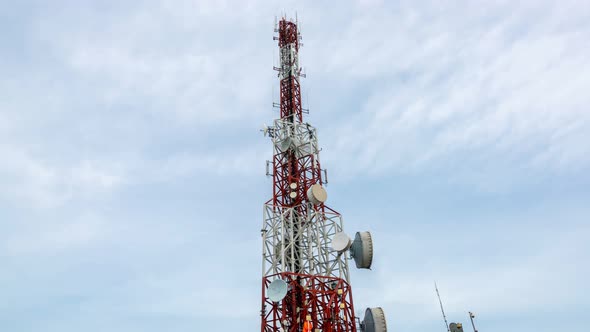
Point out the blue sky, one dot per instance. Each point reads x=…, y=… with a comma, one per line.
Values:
x=133, y=167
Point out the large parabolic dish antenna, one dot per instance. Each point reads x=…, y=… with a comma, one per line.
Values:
x=341, y=242
x=362, y=250
x=374, y=320
x=277, y=290
x=316, y=194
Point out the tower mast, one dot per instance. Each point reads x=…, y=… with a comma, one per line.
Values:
x=305, y=281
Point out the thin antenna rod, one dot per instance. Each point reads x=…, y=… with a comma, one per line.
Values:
x=471, y=316
x=441, y=308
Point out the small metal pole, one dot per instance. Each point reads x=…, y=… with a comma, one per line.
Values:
x=441, y=308
x=471, y=316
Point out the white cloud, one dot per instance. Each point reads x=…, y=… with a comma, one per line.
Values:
x=47, y=237
x=492, y=86
x=174, y=60
x=247, y=161
x=31, y=180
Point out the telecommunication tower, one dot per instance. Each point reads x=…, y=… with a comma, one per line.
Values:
x=305, y=252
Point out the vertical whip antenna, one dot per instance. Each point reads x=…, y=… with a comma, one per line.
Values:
x=441, y=308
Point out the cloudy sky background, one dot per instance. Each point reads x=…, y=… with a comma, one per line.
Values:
x=132, y=166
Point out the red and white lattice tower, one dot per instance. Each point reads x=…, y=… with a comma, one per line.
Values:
x=305, y=276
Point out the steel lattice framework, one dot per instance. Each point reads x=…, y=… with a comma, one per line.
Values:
x=296, y=233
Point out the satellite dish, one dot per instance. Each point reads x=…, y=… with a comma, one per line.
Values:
x=341, y=242
x=362, y=250
x=374, y=320
x=316, y=194
x=277, y=290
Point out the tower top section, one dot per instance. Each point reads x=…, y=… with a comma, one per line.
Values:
x=289, y=70
x=288, y=33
